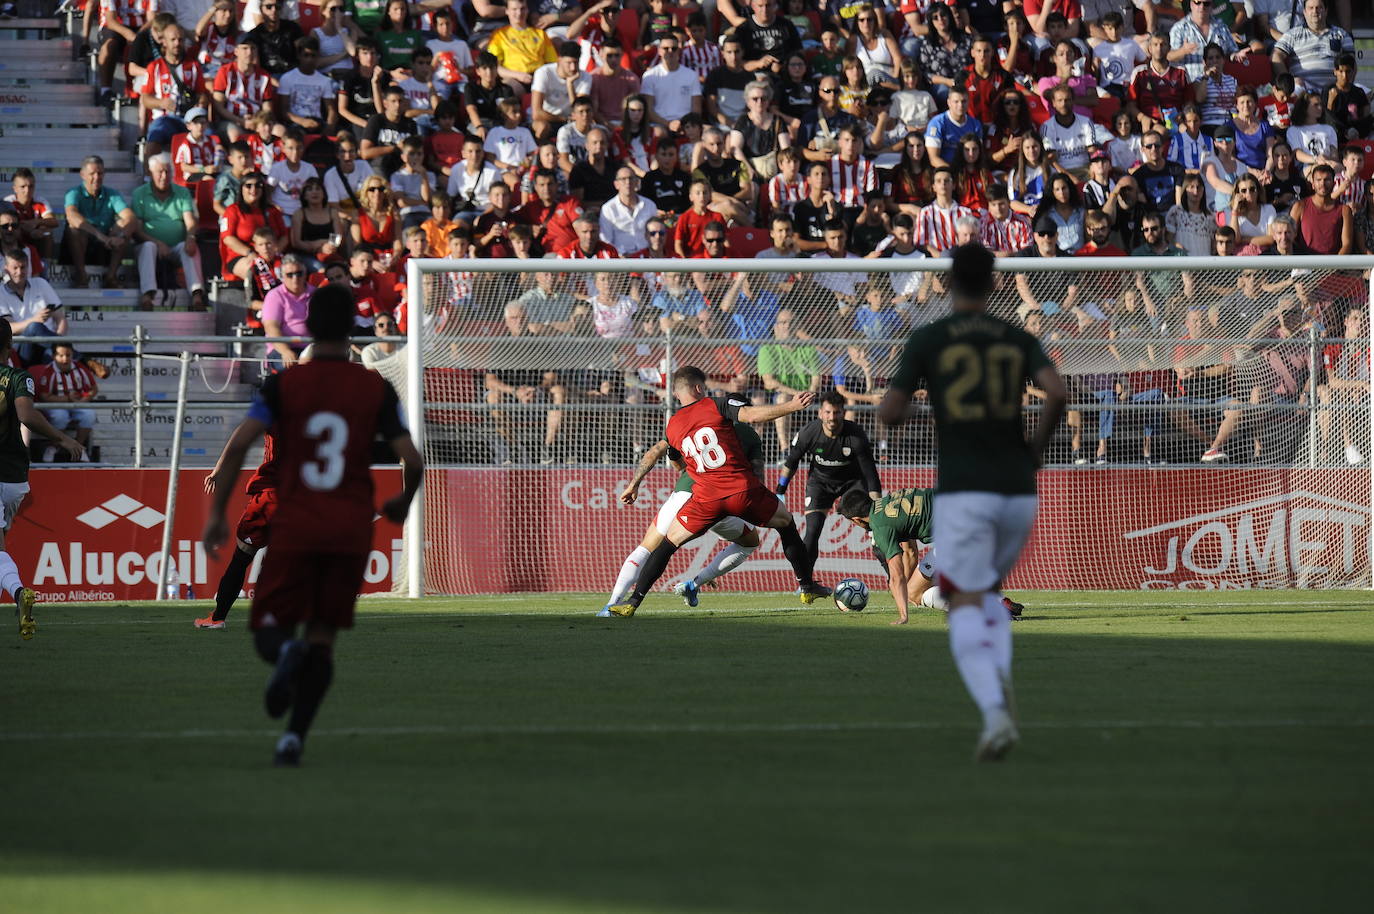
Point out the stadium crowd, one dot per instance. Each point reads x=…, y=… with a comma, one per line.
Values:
x=334, y=140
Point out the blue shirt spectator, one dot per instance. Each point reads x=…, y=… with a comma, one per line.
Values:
x=944, y=131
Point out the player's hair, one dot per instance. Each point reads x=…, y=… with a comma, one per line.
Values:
x=330, y=318
x=6, y=337
x=856, y=503
x=686, y=376
x=834, y=398
x=971, y=274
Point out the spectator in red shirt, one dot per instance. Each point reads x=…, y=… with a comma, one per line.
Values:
x=692, y=224
x=986, y=81
x=236, y=227
x=1158, y=85
x=549, y=217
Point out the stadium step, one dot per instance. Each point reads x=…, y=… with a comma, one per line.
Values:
x=67, y=156
x=63, y=136
x=53, y=186
x=42, y=69
x=47, y=49
x=209, y=380
x=56, y=94
x=57, y=115
x=203, y=435
x=113, y=313
x=15, y=29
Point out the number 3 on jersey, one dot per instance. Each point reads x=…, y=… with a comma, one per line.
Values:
x=703, y=447
x=325, y=472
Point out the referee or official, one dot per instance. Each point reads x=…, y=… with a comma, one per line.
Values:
x=840, y=458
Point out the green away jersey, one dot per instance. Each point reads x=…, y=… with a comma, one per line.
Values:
x=975, y=367
x=14, y=455
x=753, y=451
x=901, y=517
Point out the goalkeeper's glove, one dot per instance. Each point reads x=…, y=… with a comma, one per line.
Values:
x=782, y=484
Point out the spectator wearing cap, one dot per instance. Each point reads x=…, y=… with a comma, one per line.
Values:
x=275, y=39
x=1190, y=36
x=165, y=225
x=201, y=156
x=1048, y=293
x=553, y=89
x=1309, y=50
x=520, y=48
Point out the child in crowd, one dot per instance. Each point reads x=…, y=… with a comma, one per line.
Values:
x=287, y=176
x=202, y=156
x=412, y=184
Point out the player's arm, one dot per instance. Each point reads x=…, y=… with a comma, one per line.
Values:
x=896, y=582
x=394, y=432
x=230, y=462
x=650, y=460
x=1056, y=396
x=752, y=414
x=868, y=467
x=893, y=408
x=35, y=421
x=801, y=443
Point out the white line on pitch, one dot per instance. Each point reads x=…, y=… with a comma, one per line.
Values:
x=649, y=729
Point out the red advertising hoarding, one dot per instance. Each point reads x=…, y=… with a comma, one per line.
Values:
x=1196, y=528
x=89, y=534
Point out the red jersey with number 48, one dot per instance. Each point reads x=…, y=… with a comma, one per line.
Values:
x=324, y=416
x=703, y=436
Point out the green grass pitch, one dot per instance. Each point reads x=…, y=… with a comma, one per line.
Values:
x=1181, y=752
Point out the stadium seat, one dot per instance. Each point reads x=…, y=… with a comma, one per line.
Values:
x=207, y=219
x=746, y=241
x=1368, y=146
x=1255, y=70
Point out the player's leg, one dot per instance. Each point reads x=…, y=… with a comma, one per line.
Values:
x=230, y=586
x=629, y=570
x=11, y=497
x=819, y=500
x=312, y=682
x=743, y=542
x=795, y=549
x=966, y=533
x=659, y=557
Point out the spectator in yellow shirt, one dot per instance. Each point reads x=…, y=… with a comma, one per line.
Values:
x=520, y=48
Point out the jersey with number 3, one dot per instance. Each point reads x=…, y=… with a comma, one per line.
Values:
x=976, y=367
x=703, y=436
x=324, y=416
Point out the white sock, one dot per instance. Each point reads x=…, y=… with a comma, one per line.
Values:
x=931, y=597
x=629, y=573
x=725, y=561
x=998, y=621
x=975, y=656
x=9, y=575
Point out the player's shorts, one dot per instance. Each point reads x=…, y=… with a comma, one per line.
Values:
x=821, y=495
x=296, y=587
x=11, y=497
x=730, y=528
x=980, y=536
x=257, y=514
x=755, y=505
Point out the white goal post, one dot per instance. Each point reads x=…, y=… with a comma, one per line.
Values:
x=527, y=437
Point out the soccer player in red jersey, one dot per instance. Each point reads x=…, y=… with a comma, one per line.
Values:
x=324, y=416
x=250, y=535
x=702, y=435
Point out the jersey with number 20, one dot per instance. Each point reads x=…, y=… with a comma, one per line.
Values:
x=324, y=416
x=703, y=434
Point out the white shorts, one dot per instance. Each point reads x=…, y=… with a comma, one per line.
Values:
x=731, y=528
x=11, y=496
x=980, y=536
x=927, y=564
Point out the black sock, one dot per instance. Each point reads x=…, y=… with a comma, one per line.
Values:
x=815, y=523
x=652, y=570
x=231, y=583
x=796, y=552
x=268, y=642
x=317, y=671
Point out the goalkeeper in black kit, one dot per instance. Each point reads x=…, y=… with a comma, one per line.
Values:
x=840, y=459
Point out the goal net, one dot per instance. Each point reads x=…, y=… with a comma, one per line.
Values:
x=535, y=387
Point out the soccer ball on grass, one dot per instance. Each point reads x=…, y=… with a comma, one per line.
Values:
x=851, y=595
